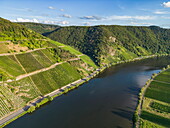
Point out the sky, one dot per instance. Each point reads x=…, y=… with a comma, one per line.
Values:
x=88, y=12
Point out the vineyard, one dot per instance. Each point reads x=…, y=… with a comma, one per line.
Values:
x=156, y=104
x=17, y=93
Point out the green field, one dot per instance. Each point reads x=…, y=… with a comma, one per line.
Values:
x=25, y=88
x=13, y=70
x=29, y=62
x=88, y=61
x=156, y=104
x=9, y=101
x=53, y=79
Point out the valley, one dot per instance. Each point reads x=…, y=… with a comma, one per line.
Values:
x=36, y=68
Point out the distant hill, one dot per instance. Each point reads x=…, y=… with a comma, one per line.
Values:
x=40, y=28
x=105, y=44
x=108, y=43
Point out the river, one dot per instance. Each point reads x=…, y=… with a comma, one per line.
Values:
x=107, y=101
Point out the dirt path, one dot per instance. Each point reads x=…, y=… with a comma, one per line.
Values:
x=38, y=71
x=8, y=54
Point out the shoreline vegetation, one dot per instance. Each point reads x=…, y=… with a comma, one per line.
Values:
x=137, y=122
x=49, y=97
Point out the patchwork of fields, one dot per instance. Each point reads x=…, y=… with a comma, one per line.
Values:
x=156, y=103
x=69, y=67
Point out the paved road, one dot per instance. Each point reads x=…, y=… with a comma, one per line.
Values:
x=11, y=116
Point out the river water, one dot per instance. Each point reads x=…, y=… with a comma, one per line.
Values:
x=107, y=101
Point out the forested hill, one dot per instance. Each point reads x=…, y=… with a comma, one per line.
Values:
x=40, y=28
x=13, y=31
x=106, y=43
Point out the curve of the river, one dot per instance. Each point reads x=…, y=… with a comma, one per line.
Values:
x=107, y=101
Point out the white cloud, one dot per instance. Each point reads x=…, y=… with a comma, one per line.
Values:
x=166, y=4
x=115, y=17
x=62, y=10
x=25, y=20
x=136, y=23
x=63, y=22
x=161, y=12
x=165, y=17
x=87, y=23
x=55, y=22
x=66, y=16
x=49, y=22
x=52, y=8
x=91, y=18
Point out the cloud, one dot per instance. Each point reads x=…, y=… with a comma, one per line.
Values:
x=86, y=23
x=165, y=17
x=115, y=17
x=25, y=20
x=136, y=23
x=166, y=4
x=161, y=12
x=49, y=22
x=66, y=16
x=52, y=8
x=55, y=22
x=63, y=22
x=62, y=10
x=91, y=18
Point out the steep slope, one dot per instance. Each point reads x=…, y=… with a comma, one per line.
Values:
x=32, y=66
x=40, y=28
x=106, y=44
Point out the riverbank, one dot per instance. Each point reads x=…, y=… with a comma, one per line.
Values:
x=70, y=87
x=141, y=98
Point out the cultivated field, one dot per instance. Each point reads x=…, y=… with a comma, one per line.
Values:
x=156, y=103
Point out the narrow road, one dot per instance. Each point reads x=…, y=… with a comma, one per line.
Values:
x=8, y=54
x=11, y=116
x=37, y=71
x=5, y=41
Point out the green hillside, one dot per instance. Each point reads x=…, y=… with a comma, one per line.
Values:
x=32, y=66
x=106, y=44
x=40, y=28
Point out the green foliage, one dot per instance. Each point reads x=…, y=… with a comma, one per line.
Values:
x=9, y=66
x=99, y=42
x=160, y=107
x=155, y=119
x=163, y=77
x=53, y=79
x=61, y=54
x=40, y=28
x=28, y=61
x=148, y=124
x=25, y=88
x=88, y=61
x=31, y=109
x=159, y=91
x=13, y=31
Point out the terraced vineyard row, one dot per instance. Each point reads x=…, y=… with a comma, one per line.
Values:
x=27, y=89
x=156, y=104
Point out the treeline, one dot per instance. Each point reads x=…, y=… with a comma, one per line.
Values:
x=13, y=31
